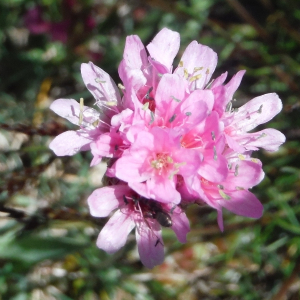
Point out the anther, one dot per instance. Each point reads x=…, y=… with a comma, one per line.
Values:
x=213, y=135
x=81, y=111
x=215, y=153
x=236, y=171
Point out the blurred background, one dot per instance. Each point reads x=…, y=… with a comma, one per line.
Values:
x=47, y=238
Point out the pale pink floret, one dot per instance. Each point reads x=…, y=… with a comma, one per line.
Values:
x=103, y=88
x=151, y=164
x=238, y=122
x=129, y=215
x=255, y=112
x=173, y=138
x=232, y=193
x=92, y=123
x=71, y=142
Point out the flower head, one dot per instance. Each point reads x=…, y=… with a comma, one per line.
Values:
x=173, y=140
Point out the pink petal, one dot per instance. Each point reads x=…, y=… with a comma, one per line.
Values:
x=224, y=93
x=130, y=168
x=134, y=166
x=219, y=80
x=132, y=79
x=96, y=160
x=163, y=189
x=190, y=160
x=100, y=84
x=135, y=55
x=246, y=175
x=114, y=234
x=213, y=167
x=199, y=56
x=258, y=111
x=269, y=139
x=104, y=200
x=70, y=142
x=196, y=107
x=107, y=145
x=150, y=244
x=243, y=203
x=233, y=144
x=67, y=108
x=181, y=225
x=170, y=92
x=125, y=116
x=233, y=84
x=212, y=131
x=164, y=47
x=160, y=68
x=187, y=195
x=165, y=140
x=140, y=188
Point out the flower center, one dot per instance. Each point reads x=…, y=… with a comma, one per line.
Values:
x=162, y=162
x=191, y=141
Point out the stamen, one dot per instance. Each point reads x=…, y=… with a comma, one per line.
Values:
x=213, y=135
x=170, y=160
x=188, y=113
x=152, y=117
x=262, y=135
x=215, y=153
x=260, y=109
x=224, y=196
x=148, y=94
x=121, y=86
x=228, y=107
x=220, y=186
x=145, y=106
x=172, y=118
x=172, y=174
x=209, y=84
x=98, y=80
x=196, y=77
x=96, y=123
x=111, y=103
x=236, y=171
x=255, y=160
x=239, y=188
x=172, y=209
x=180, y=64
x=186, y=74
x=197, y=69
x=81, y=111
x=177, y=100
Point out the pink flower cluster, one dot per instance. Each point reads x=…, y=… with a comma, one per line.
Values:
x=173, y=139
